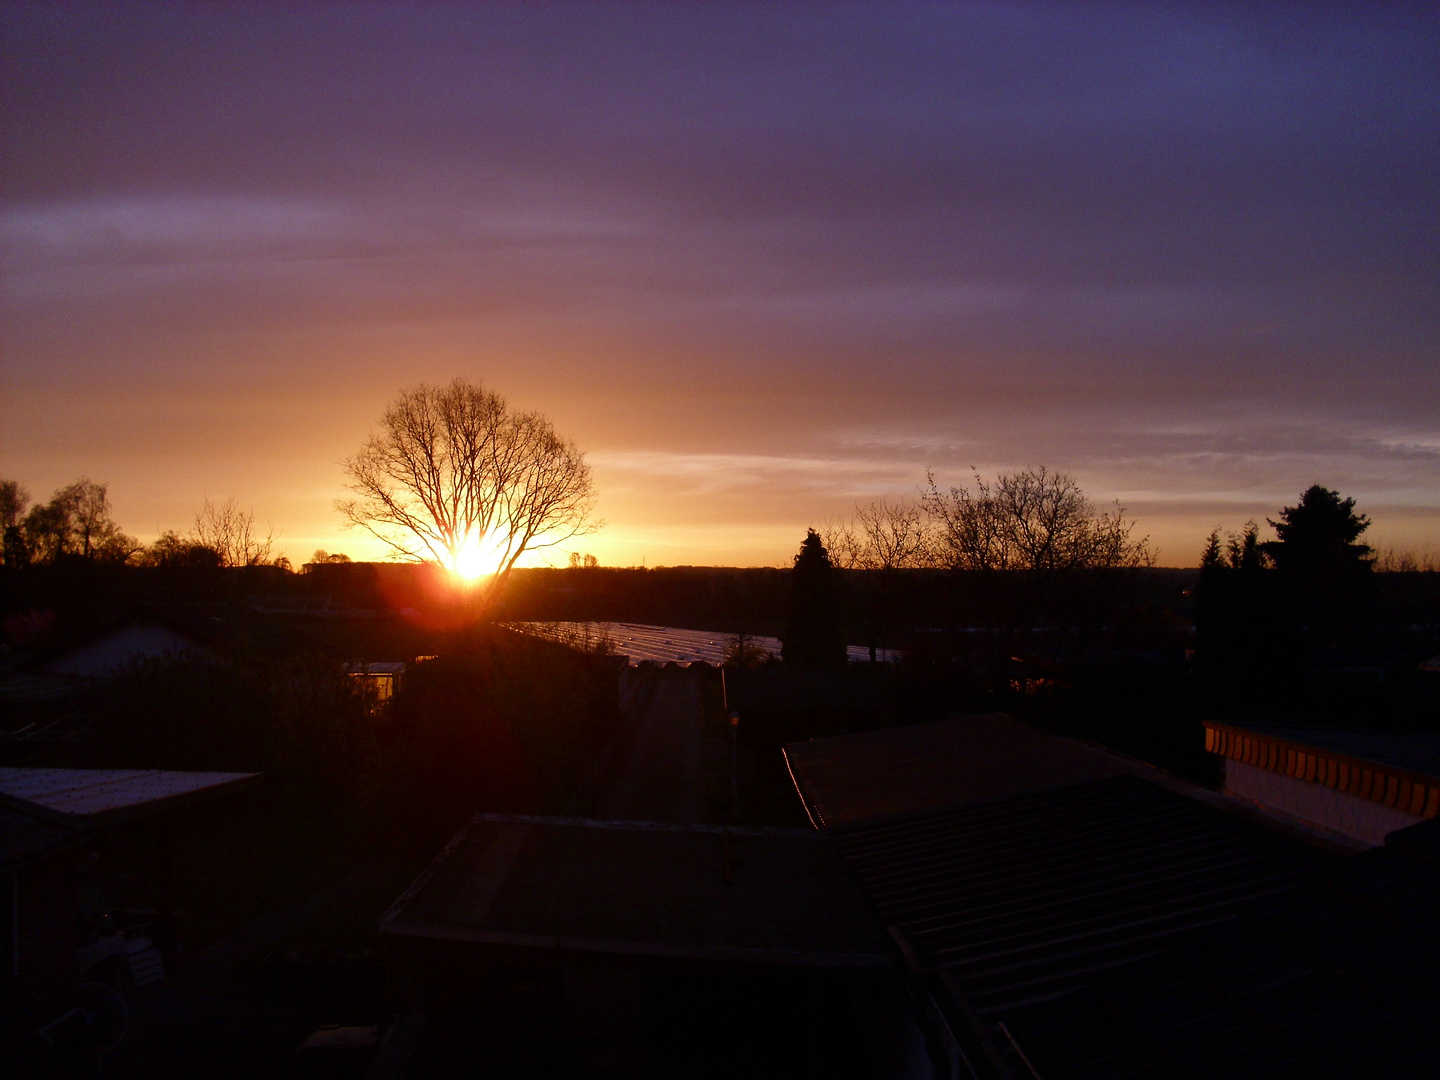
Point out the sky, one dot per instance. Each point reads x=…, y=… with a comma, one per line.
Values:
x=760, y=261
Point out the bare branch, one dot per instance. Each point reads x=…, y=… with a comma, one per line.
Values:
x=230, y=533
x=454, y=468
x=1032, y=520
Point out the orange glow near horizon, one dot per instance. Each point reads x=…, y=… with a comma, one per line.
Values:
x=477, y=556
x=751, y=300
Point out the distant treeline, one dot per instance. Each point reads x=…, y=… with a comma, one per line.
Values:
x=879, y=607
x=754, y=600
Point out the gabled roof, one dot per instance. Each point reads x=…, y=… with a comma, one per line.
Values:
x=230, y=627
x=112, y=649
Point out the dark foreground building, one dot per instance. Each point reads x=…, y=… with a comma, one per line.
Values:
x=977, y=900
x=1064, y=912
x=577, y=947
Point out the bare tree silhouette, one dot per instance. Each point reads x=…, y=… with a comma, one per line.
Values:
x=230, y=533
x=883, y=535
x=456, y=476
x=1032, y=520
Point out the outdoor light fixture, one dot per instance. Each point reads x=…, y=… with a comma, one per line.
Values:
x=734, y=718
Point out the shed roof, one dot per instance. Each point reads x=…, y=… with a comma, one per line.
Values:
x=28, y=831
x=922, y=767
x=1337, y=980
x=107, y=796
x=1022, y=898
x=647, y=892
x=666, y=644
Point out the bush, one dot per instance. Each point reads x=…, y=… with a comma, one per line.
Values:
x=504, y=722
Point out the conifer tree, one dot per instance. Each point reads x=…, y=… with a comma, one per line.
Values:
x=813, y=634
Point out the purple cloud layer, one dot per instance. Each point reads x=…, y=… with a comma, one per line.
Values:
x=760, y=260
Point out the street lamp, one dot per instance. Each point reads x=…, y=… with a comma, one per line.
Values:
x=734, y=717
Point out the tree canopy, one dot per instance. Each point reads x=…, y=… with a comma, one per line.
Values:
x=457, y=476
x=883, y=535
x=1271, y=609
x=75, y=523
x=1031, y=520
x=813, y=635
x=1321, y=530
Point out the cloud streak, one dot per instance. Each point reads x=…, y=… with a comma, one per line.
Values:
x=762, y=260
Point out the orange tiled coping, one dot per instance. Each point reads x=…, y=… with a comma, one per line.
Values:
x=1389, y=785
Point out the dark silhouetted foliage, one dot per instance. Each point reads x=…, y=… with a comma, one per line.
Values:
x=1235, y=615
x=814, y=635
x=1323, y=573
x=74, y=524
x=501, y=722
x=1319, y=534
x=1303, y=629
x=175, y=552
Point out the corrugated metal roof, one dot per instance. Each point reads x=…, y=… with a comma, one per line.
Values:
x=1337, y=979
x=667, y=644
x=1118, y=927
x=642, y=890
x=923, y=767
x=109, y=795
x=1023, y=898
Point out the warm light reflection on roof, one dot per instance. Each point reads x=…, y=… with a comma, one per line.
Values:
x=667, y=644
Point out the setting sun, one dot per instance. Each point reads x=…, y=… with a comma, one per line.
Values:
x=478, y=556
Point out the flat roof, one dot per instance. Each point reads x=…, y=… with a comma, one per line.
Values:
x=111, y=795
x=511, y=885
x=899, y=771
